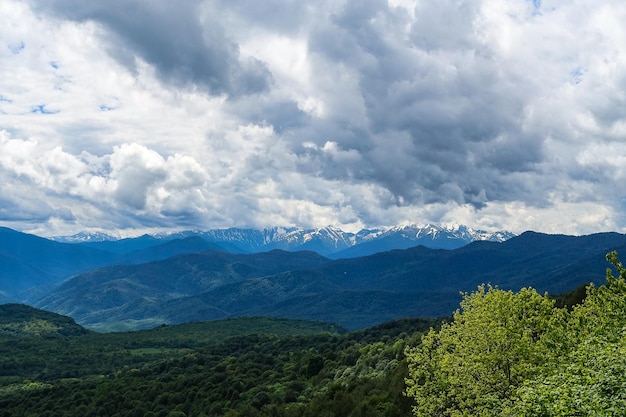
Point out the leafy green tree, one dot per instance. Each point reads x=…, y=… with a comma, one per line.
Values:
x=590, y=380
x=603, y=314
x=509, y=354
x=473, y=365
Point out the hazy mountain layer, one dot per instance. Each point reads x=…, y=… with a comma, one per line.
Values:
x=327, y=241
x=354, y=293
x=29, y=264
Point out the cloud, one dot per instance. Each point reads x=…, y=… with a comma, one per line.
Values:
x=441, y=109
x=455, y=106
x=503, y=114
x=134, y=170
x=132, y=180
x=185, y=44
x=30, y=210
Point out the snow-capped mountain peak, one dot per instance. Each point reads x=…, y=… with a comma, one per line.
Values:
x=83, y=237
x=330, y=240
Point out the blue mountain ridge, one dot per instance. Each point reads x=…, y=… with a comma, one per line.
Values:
x=328, y=241
x=354, y=292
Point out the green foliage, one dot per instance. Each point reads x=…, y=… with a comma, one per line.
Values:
x=590, y=381
x=590, y=378
x=91, y=354
x=19, y=320
x=239, y=367
x=516, y=354
x=474, y=364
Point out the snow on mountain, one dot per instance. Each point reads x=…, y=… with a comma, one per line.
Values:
x=83, y=237
x=323, y=240
x=328, y=240
x=434, y=236
x=452, y=231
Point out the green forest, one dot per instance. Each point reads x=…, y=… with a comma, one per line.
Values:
x=235, y=367
x=503, y=353
x=517, y=354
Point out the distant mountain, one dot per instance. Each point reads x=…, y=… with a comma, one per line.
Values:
x=431, y=236
x=123, y=246
x=133, y=292
x=168, y=249
x=327, y=241
x=85, y=237
x=335, y=243
x=31, y=264
x=323, y=241
x=353, y=292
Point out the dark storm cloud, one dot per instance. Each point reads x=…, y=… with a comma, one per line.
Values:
x=366, y=112
x=283, y=115
x=276, y=15
x=15, y=208
x=186, y=44
x=443, y=115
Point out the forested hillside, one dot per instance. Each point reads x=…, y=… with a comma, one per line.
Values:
x=19, y=320
x=355, y=293
x=238, y=367
x=30, y=265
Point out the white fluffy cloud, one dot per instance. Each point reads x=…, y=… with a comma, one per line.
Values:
x=135, y=115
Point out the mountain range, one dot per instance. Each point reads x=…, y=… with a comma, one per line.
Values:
x=352, y=292
x=143, y=282
x=328, y=241
x=30, y=266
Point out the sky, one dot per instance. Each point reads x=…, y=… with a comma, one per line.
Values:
x=130, y=116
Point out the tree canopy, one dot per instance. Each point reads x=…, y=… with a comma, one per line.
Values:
x=512, y=354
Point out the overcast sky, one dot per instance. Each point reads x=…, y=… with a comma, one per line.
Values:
x=141, y=115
